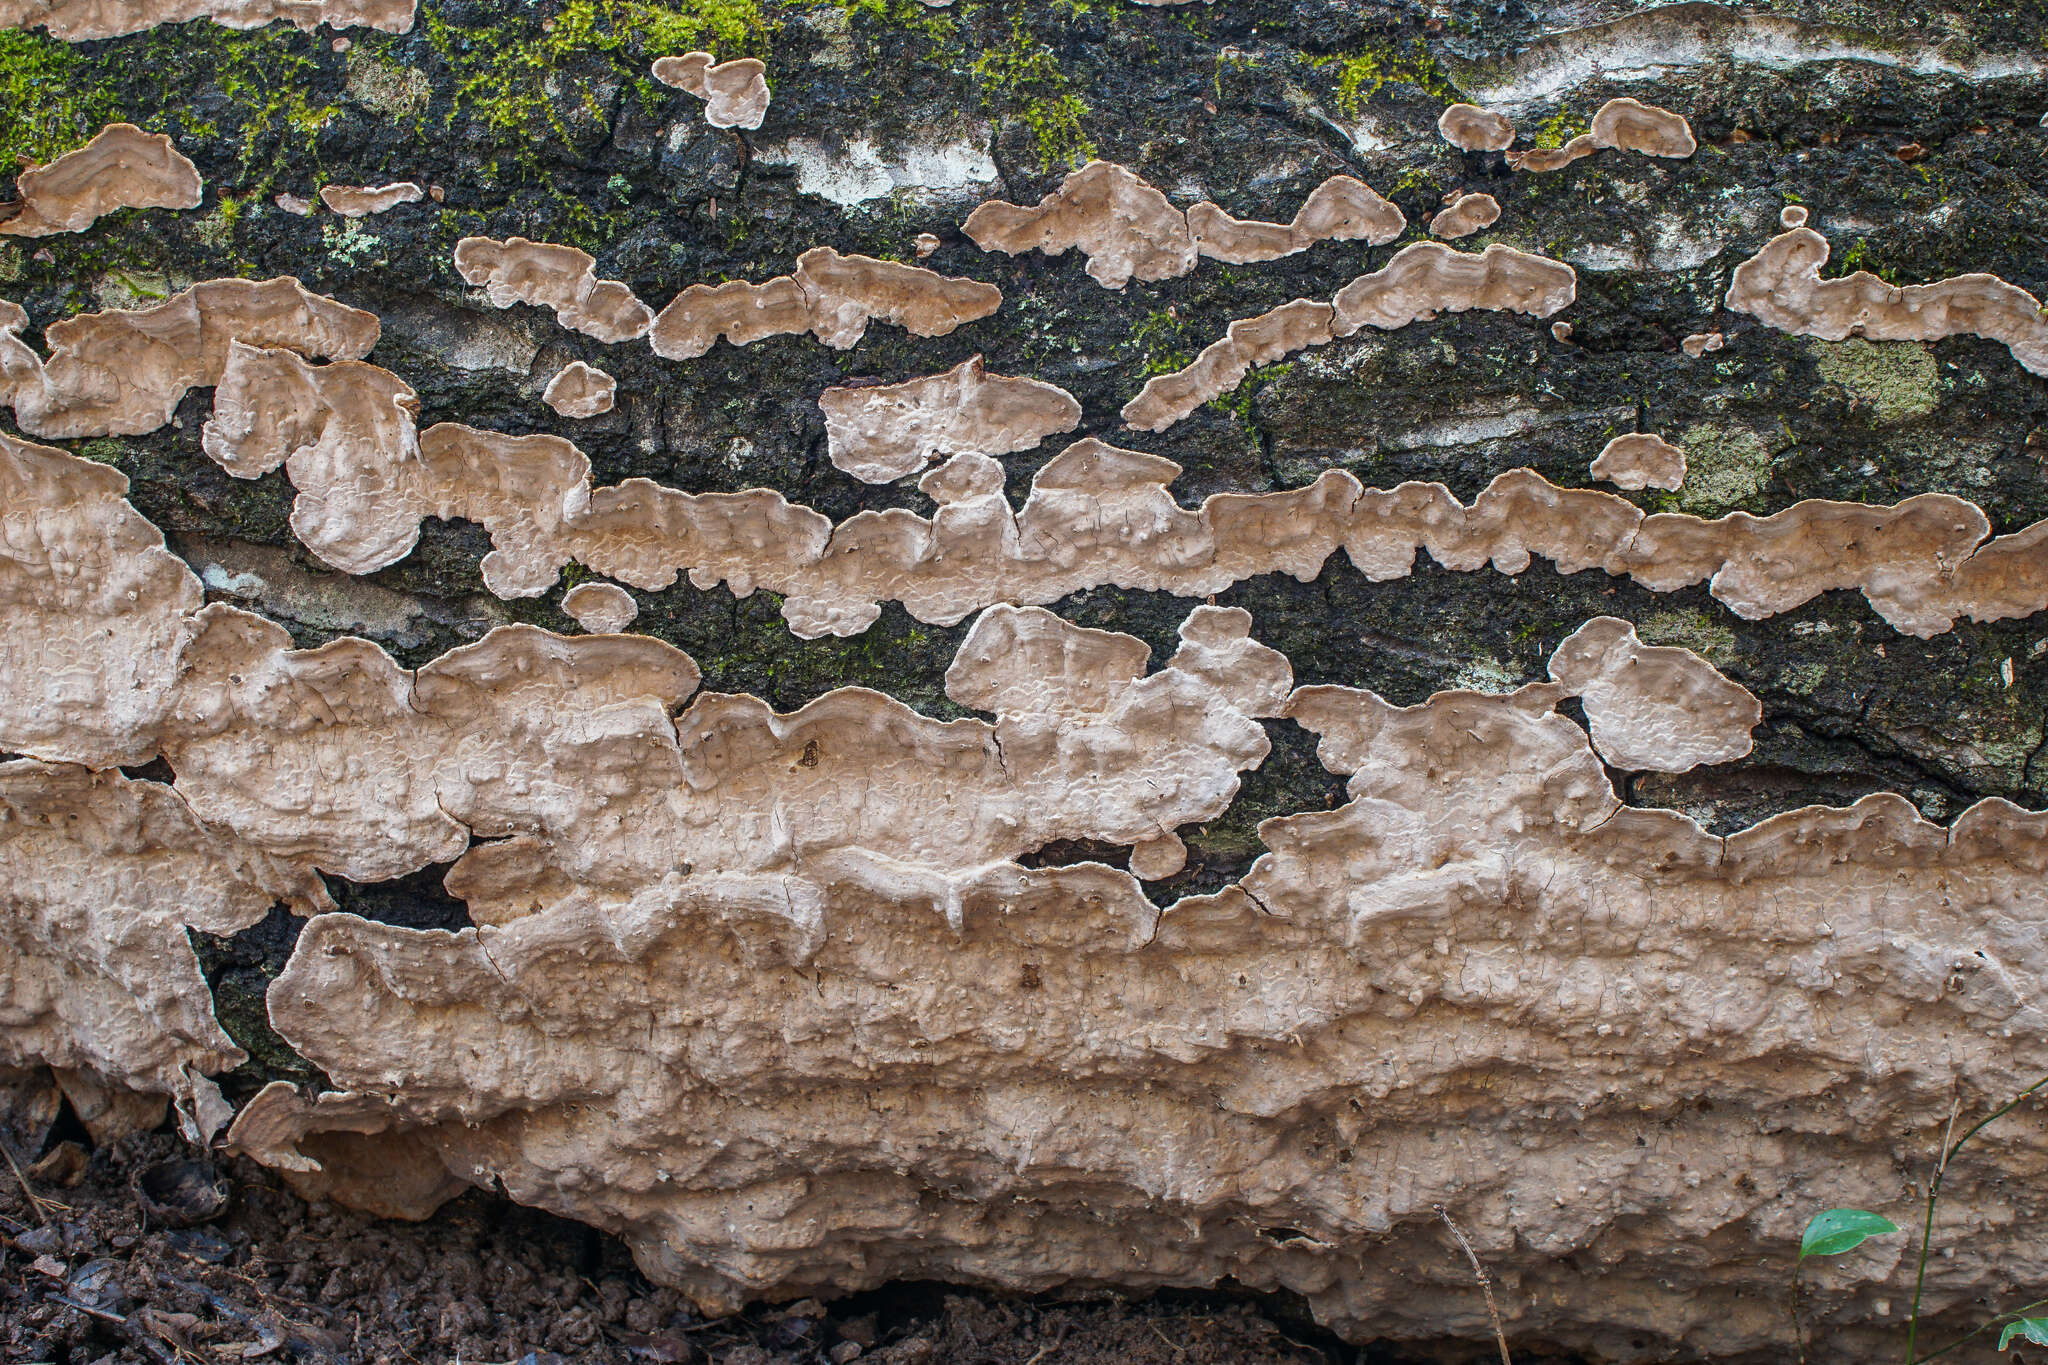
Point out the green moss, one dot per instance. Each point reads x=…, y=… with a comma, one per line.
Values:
x=48, y=106
x=10, y=263
x=1897, y=379
x=1724, y=468
x=1701, y=632
x=1362, y=75
x=1557, y=130
x=104, y=449
x=1858, y=256
x=1023, y=79
x=267, y=76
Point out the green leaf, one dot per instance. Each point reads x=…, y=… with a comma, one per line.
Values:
x=1834, y=1231
x=2032, y=1329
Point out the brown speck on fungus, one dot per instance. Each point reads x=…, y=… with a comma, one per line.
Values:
x=883, y=432
x=122, y=168
x=735, y=93
x=580, y=390
x=1475, y=129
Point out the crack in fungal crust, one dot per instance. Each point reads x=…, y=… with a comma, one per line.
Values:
x=121, y=168
x=884, y=431
x=1127, y=229
x=735, y=93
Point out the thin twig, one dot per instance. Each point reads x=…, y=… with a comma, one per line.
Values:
x=37, y=1204
x=1485, y=1282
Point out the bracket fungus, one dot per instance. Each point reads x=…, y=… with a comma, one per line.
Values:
x=122, y=168
x=1341, y=209
x=1465, y=215
x=1640, y=460
x=735, y=93
x=77, y=21
x=1623, y=124
x=1781, y=286
x=360, y=201
x=1125, y=227
x=1652, y=707
x=122, y=373
x=1473, y=129
x=883, y=432
x=831, y=296
x=580, y=390
x=601, y=608
x=1245, y=345
x=560, y=278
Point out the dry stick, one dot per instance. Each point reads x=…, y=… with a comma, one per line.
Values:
x=1485, y=1283
x=37, y=1204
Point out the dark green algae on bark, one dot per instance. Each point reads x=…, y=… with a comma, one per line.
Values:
x=1923, y=158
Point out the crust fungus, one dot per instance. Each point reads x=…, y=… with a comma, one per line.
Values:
x=884, y=432
x=834, y=297
x=1792, y=216
x=122, y=168
x=77, y=21
x=1473, y=129
x=735, y=93
x=122, y=373
x=1624, y=124
x=580, y=390
x=560, y=278
x=1341, y=209
x=1640, y=460
x=1125, y=227
x=359, y=201
x=1245, y=345
x=1465, y=215
x=601, y=608
x=1429, y=278
x=1781, y=285
x=1699, y=343
x=1653, y=707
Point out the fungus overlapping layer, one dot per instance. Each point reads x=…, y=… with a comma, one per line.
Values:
x=1127, y=229
x=121, y=168
x=883, y=432
x=735, y=93
x=831, y=296
x=123, y=372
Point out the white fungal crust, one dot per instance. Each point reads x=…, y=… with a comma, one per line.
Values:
x=831, y=296
x=1341, y=209
x=77, y=21
x=580, y=390
x=560, y=278
x=601, y=608
x=1420, y=281
x=1624, y=124
x=1652, y=707
x=1481, y=907
x=1245, y=345
x=1474, y=129
x=1640, y=460
x=360, y=201
x=1127, y=229
x=100, y=877
x=884, y=432
x=735, y=93
x=1781, y=286
x=122, y=168
x=1465, y=215
x=122, y=373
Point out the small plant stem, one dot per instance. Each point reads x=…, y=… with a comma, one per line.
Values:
x=1798, y=1331
x=2008, y=1313
x=1485, y=1282
x=1948, y=1154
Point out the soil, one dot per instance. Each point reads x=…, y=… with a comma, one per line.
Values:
x=93, y=1275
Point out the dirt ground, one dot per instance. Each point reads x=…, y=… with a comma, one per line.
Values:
x=92, y=1275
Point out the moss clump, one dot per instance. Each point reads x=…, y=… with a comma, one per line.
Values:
x=1362, y=75
x=1024, y=79
x=1896, y=379
x=386, y=87
x=47, y=108
x=1710, y=638
x=1724, y=468
x=1557, y=130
